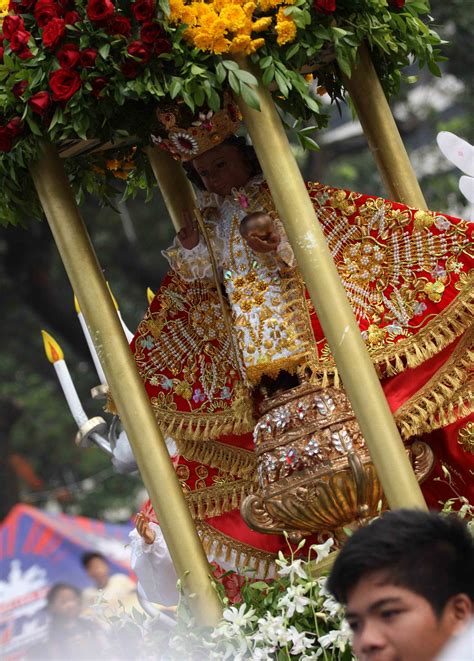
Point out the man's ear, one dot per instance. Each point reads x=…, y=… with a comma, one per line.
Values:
x=460, y=610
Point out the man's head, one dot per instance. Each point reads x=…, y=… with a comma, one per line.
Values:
x=407, y=581
x=64, y=601
x=97, y=567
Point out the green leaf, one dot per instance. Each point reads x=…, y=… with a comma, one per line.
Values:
x=230, y=65
x=175, y=87
x=104, y=51
x=265, y=61
x=234, y=82
x=221, y=73
x=250, y=97
x=34, y=128
x=282, y=83
x=344, y=65
x=246, y=77
x=268, y=75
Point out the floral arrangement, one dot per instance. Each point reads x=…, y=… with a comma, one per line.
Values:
x=99, y=69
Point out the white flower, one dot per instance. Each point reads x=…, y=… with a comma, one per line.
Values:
x=336, y=638
x=323, y=550
x=300, y=642
x=272, y=630
x=263, y=653
x=239, y=618
x=292, y=569
x=294, y=600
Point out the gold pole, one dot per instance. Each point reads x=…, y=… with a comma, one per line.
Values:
x=329, y=298
x=126, y=386
x=382, y=133
x=175, y=187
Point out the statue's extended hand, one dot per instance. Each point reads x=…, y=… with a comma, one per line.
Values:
x=267, y=242
x=143, y=528
x=188, y=235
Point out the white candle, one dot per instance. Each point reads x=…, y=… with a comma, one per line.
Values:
x=90, y=344
x=55, y=355
x=70, y=393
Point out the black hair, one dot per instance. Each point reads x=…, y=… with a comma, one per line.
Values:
x=235, y=141
x=90, y=555
x=425, y=552
x=56, y=588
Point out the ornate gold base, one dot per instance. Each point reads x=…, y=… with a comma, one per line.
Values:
x=315, y=472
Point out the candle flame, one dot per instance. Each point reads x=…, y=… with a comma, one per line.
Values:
x=76, y=305
x=113, y=297
x=52, y=348
x=150, y=295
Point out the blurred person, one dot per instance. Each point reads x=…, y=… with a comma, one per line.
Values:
x=70, y=636
x=113, y=590
x=407, y=581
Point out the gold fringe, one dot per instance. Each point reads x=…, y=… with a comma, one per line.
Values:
x=233, y=460
x=215, y=500
x=446, y=397
x=273, y=368
x=246, y=557
x=441, y=331
x=195, y=426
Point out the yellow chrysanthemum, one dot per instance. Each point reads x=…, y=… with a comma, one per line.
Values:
x=240, y=43
x=265, y=5
x=262, y=24
x=254, y=45
x=234, y=17
x=249, y=8
x=286, y=31
x=220, y=45
x=176, y=10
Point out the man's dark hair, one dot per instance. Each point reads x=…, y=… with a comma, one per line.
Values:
x=235, y=141
x=427, y=553
x=58, y=587
x=90, y=555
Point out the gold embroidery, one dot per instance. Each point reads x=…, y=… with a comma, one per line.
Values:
x=466, y=437
x=208, y=501
x=233, y=460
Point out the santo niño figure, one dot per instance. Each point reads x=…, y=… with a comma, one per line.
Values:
x=207, y=368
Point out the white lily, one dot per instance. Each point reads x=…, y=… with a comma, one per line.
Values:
x=323, y=550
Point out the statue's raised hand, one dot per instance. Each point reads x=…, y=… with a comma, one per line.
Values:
x=188, y=235
x=143, y=528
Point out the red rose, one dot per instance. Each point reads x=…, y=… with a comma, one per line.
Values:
x=15, y=127
x=325, y=6
x=130, y=69
x=98, y=85
x=64, y=83
x=6, y=140
x=39, y=103
x=18, y=89
x=143, y=10
x=68, y=56
x=398, y=4
x=2, y=50
x=87, y=58
x=100, y=10
x=20, y=7
x=19, y=41
x=150, y=32
x=25, y=54
x=45, y=11
x=53, y=32
x=11, y=24
x=71, y=17
x=162, y=46
x=119, y=25
x=139, y=50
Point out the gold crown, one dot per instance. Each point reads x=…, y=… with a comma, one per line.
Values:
x=202, y=133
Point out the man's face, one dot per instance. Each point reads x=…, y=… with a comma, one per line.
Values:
x=222, y=168
x=66, y=604
x=392, y=623
x=98, y=570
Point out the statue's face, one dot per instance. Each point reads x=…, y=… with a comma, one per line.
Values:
x=223, y=168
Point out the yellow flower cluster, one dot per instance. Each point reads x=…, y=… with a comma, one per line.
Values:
x=3, y=10
x=231, y=26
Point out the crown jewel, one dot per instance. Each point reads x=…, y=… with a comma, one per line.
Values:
x=188, y=139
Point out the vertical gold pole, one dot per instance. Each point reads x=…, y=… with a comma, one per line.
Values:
x=175, y=187
x=329, y=298
x=382, y=133
x=126, y=386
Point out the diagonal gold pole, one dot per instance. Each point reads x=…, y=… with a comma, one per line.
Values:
x=126, y=386
x=382, y=133
x=329, y=298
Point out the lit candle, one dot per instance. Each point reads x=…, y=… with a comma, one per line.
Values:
x=55, y=355
x=90, y=344
x=128, y=334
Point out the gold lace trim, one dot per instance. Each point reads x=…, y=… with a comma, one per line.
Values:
x=446, y=397
x=233, y=460
x=243, y=556
x=215, y=500
x=443, y=329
